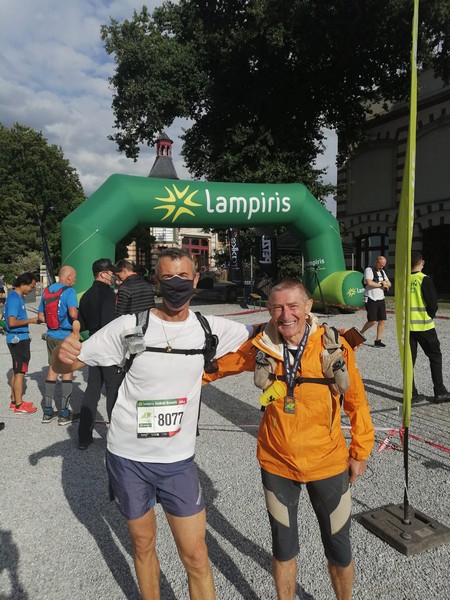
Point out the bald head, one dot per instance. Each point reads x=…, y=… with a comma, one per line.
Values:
x=380, y=262
x=67, y=275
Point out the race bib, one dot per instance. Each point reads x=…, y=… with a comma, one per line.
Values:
x=160, y=418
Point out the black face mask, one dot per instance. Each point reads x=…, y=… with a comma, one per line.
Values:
x=177, y=291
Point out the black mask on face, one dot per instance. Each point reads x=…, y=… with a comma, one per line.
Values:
x=177, y=291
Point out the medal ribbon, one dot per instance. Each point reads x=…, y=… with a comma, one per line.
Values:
x=291, y=371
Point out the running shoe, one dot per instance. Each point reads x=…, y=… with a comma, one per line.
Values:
x=48, y=417
x=12, y=405
x=69, y=418
x=25, y=409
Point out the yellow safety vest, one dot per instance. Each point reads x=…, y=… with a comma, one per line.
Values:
x=420, y=320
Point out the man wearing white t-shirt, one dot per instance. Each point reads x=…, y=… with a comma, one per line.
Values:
x=377, y=283
x=151, y=438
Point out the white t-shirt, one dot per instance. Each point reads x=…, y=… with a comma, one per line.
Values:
x=374, y=275
x=167, y=386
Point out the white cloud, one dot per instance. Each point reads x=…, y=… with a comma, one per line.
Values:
x=54, y=78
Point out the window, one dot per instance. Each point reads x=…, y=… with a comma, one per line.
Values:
x=368, y=248
x=198, y=248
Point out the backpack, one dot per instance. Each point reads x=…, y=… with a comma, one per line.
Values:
x=51, y=306
x=334, y=368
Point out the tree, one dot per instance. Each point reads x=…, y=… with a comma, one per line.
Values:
x=260, y=79
x=35, y=181
x=144, y=242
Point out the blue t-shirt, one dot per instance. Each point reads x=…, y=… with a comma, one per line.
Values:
x=67, y=299
x=15, y=307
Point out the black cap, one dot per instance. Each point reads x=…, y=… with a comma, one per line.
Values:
x=104, y=264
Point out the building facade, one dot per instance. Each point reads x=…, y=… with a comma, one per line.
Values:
x=370, y=184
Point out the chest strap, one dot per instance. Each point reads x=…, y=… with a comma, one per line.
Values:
x=188, y=351
x=300, y=380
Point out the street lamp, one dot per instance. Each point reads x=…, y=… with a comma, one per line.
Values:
x=47, y=257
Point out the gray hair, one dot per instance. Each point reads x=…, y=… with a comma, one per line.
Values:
x=174, y=254
x=289, y=283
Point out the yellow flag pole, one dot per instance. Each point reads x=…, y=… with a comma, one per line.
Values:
x=405, y=225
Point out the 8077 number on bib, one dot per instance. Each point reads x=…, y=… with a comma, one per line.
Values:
x=160, y=418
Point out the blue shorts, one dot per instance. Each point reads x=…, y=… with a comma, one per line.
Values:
x=330, y=499
x=137, y=486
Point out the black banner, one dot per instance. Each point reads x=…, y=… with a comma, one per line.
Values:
x=266, y=252
x=235, y=273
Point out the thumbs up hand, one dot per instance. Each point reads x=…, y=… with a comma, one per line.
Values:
x=70, y=348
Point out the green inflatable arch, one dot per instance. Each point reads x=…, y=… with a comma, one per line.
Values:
x=124, y=201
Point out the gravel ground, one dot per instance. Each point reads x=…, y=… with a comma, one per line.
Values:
x=60, y=537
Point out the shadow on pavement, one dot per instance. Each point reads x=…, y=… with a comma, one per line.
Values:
x=85, y=486
x=9, y=563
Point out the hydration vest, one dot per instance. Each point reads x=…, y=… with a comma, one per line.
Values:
x=208, y=350
x=334, y=369
x=376, y=276
x=51, y=306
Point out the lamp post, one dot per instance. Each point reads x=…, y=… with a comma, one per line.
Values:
x=47, y=257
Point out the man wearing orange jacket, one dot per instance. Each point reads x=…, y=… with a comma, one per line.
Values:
x=300, y=440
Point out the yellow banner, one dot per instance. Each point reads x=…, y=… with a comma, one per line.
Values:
x=405, y=225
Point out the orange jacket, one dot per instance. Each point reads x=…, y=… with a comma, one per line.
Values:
x=308, y=445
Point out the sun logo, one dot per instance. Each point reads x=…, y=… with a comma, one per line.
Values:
x=351, y=292
x=177, y=202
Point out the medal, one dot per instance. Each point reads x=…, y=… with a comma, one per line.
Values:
x=289, y=405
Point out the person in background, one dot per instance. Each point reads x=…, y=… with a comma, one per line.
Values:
x=97, y=306
x=2, y=290
x=59, y=315
x=377, y=283
x=422, y=328
x=135, y=294
x=18, y=340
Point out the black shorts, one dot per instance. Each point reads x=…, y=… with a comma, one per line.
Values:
x=21, y=355
x=331, y=501
x=376, y=310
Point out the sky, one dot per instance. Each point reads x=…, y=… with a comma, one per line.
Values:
x=54, y=78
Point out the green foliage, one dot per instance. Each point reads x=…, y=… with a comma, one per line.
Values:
x=27, y=263
x=289, y=265
x=221, y=258
x=143, y=239
x=260, y=79
x=35, y=181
